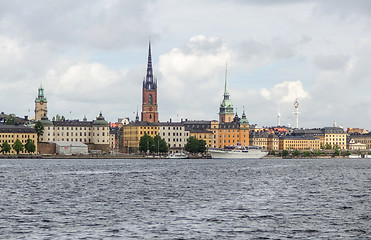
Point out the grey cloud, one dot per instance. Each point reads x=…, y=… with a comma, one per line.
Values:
x=332, y=62
x=96, y=24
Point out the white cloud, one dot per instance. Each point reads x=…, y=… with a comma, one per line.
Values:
x=285, y=92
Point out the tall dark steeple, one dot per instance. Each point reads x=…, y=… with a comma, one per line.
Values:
x=149, y=82
x=149, y=96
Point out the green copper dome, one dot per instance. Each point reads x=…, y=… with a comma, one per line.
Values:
x=46, y=122
x=100, y=121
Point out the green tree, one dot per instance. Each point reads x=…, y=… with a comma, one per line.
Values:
x=5, y=147
x=272, y=152
x=10, y=120
x=192, y=145
x=147, y=144
x=160, y=144
x=348, y=153
x=202, y=146
x=30, y=146
x=306, y=153
x=318, y=152
x=39, y=128
x=296, y=153
x=18, y=146
x=328, y=146
x=337, y=152
x=284, y=153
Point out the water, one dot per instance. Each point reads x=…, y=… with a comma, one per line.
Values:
x=185, y=199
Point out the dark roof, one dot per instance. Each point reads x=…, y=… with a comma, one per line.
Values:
x=15, y=129
x=300, y=132
x=227, y=125
x=142, y=123
x=72, y=123
x=298, y=137
x=170, y=124
x=335, y=130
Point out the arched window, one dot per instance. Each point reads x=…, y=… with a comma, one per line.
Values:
x=150, y=116
x=150, y=99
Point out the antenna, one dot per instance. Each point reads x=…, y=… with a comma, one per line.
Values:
x=296, y=105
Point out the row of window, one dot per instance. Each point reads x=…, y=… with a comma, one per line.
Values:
x=175, y=134
x=79, y=128
x=74, y=140
x=17, y=136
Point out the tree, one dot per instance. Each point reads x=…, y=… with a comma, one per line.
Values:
x=160, y=144
x=10, y=120
x=30, y=146
x=306, y=153
x=328, y=146
x=201, y=146
x=285, y=153
x=192, y=145
x=337, y=152
x=147, y=144
x=5, y=147
x=272, y=152
x=39, y=128
x=18, y=146
x=296, y=153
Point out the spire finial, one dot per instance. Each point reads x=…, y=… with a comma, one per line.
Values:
x=226, y=80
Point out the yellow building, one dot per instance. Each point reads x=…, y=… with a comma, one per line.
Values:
x=10, y=133
x=335, y=136
x=205, y=135
x=133, y=131
x=259, y=139
x=299, y=143
x=273, y=142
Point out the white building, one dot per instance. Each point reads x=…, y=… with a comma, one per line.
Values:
x=93, y=133
x=174, y=134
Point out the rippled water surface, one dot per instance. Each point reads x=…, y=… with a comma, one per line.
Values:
x=185, y=199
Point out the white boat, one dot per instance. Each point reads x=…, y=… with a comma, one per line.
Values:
x=178, y=155
x=239, y=152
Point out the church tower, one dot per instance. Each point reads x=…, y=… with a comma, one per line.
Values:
x=149, y=100
x=40, y=105
x=226, y=107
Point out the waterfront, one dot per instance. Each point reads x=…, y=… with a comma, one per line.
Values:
x=185, y=199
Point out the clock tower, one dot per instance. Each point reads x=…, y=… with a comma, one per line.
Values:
x=40, y=105
x=149, y=94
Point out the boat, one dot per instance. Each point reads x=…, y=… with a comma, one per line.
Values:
x=178, y=156
x=238, y=152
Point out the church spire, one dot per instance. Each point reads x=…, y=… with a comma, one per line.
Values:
x=226, y=82
x=149, y=82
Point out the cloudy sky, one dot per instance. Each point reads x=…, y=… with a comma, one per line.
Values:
x=91, y=56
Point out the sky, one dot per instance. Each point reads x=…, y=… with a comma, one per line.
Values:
x=91, y=56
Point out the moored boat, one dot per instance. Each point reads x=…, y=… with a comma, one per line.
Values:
x=239, y=152
x=178, y=155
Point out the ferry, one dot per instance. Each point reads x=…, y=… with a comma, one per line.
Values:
x=238, y=152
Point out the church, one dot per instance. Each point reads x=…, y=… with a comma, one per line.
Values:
x=149, y=94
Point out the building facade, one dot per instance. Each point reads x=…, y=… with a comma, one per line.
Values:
x=299, y=143
x=10, y=133
x=174, y=134
x=41, y=109
x=335, y=137
x=149, y=93
x=362, y=138
x=132, y=133
x=93, y=133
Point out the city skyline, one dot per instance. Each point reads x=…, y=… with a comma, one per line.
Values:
x=92, y=56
